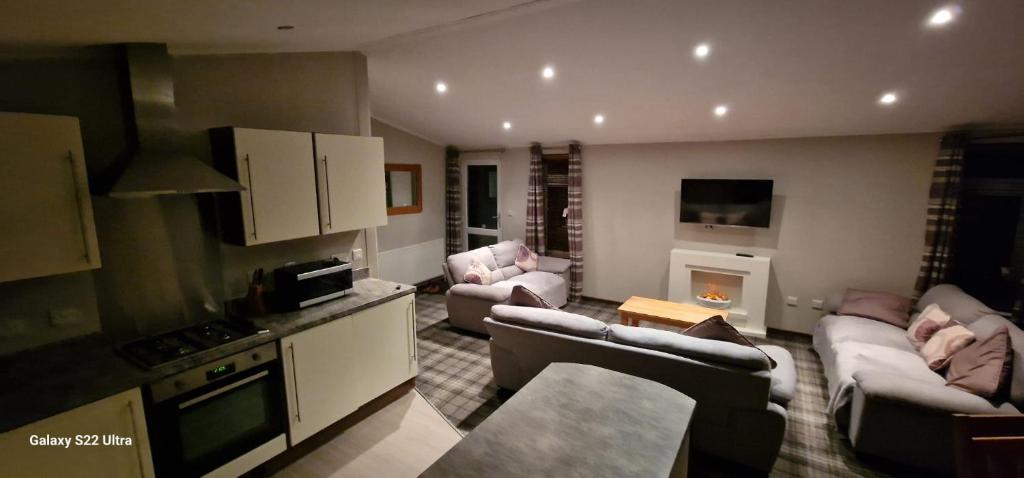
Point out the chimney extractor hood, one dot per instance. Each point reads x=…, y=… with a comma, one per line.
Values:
x=156, y=165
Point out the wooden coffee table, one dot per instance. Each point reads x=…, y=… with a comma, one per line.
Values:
x=664, y=312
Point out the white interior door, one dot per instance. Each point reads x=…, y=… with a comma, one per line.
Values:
x=481, y=202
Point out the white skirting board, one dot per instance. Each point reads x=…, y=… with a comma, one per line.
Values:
x=412, y=264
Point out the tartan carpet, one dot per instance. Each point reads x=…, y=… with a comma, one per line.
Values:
x=455, y=376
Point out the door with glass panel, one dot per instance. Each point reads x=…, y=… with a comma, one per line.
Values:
x=480, y=202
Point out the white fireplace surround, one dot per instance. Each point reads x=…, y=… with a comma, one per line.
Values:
x=743, y=279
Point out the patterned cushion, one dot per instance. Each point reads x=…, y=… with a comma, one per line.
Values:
x=889, y=308
x=982, y=368
x=526, y=259
x=946, y=342
x=477, y=273
x=930, y=320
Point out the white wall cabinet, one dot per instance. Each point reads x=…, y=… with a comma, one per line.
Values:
x=120, y=415
x=351, y=185
x=333, y=369
x=44, y=198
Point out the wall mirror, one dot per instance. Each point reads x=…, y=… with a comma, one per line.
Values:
x=404, y=188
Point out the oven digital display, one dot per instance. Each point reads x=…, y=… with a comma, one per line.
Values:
x=221, y=371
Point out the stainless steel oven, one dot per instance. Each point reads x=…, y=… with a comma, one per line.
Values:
x=209, y=416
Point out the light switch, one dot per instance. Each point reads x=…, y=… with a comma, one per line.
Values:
x=791, y=301
x=357, y=255
x=817, y=304
x=65, y=317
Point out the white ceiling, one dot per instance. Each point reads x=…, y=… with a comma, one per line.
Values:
x=786, y=68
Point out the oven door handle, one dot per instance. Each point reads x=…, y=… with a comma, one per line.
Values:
x=206, y=396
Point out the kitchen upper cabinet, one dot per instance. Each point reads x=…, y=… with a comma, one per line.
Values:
x=45, y=204
x=276, y=169
x=119, y=415
x=333, y=369
x=351, y=184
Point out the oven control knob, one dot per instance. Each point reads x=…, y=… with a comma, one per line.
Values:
x=178, y=384
x=256, y=357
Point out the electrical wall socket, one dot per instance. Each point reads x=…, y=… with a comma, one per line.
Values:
x=65, y=317
x=792, y=301
x=817, y=304
x=13, y=327
x=357, y=255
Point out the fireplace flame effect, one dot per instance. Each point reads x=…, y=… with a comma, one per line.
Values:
x=713, y=293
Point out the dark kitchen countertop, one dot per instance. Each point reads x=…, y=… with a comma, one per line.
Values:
x=58, y=377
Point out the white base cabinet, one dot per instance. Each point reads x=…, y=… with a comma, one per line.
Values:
x=333, y=369
x=120, y=415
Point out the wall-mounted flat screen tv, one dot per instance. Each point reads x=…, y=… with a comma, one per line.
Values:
x=726, y=202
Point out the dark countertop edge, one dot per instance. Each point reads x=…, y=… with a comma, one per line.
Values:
x=135, y=376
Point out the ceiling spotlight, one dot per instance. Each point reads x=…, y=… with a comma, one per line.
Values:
x=548, y=72
x=598, y=119
x=702, y=51
x=440, y=87
x=721, y=110
x=507, y=125
x=942, y=16
x=888, y=99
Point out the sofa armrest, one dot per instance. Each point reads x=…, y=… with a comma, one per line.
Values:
x=480, y=292
x=879, y=385
x=554, y=265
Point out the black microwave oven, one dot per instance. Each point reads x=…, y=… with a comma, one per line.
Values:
x=302, y=285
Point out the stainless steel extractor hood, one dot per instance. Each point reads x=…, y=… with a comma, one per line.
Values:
x=157, y=165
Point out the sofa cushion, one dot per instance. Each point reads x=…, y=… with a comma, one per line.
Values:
x=478, y=273
x=783, y=375
x=982, y=368
x=845, y=328
x=955, y=302
x=990, y=324
x=886, y=307
x=551, y=319
x=725, y=353
x=716, y=328
x=523, y=297
x=459, y=263
x=549, y=286
x=853, y=357
x=504, y=252
x=940, y=348
x=526, y=259
x=931, y=320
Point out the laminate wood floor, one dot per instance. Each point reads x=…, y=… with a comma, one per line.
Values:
x=400, y=440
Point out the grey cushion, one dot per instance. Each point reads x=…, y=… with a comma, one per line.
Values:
x=545, y=284
x=725, y=353
x=551, y=319
x=783, y=375
x=509, y=272
x=504, y=252
x=837, y=329
x=458, y=263
x=480, y=292
x=988, y=325
x=554, y=265
x=879, y=384
x=955, y=302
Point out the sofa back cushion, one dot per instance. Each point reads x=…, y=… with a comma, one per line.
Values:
x=459, y=263
x=884, y=306
x=504, y=252
x=988, y=325
x=955, y=302
x=705, y=350
x=552, y=320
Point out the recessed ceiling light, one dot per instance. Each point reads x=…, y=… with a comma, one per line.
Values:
x=888, y=98
x=441, y=87
x=721, y=110
x=702, y=51
x=507, y=125
x=285, y=27
x=942, y=16
x=598, y=119
x=548, y=72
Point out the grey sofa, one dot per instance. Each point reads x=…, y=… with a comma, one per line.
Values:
x=882, y=394
x=468, y=304
x=741, y=401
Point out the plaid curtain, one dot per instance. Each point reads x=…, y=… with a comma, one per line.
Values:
x=452, y=203
x=943, y=206
x=535, y=201
x=575, y=222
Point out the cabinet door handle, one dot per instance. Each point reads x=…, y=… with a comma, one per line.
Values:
x=135, y=436
x=327, y=183
x=413, y=354
x=78, y=202
x=295, y=382
x=252, y=203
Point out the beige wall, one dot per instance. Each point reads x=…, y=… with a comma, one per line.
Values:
x=410, y=229
x=848, y=211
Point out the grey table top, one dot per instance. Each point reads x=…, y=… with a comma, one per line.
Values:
x=576, y=420
x=58, y=377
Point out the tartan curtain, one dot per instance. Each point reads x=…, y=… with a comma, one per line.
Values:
x=943, y=207
x=535, y=202
x=575, y=222
x=452, y=203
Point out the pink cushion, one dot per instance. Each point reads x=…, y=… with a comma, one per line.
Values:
x=932, y=319
x=939, y=349
x=889, y=308
x=477, y=273
x=526, y=259
x=982, y=368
